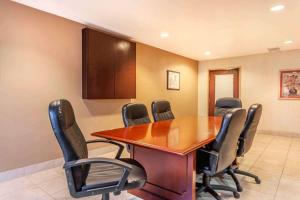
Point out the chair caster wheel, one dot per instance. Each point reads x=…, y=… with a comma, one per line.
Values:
x=236, y=195
x=239, y=188
x=258, y=181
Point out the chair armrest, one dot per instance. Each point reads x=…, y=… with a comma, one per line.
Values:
x=121, y=147
x=211, y=152
x=127, y=167
x=215, y=157
x=87, y=161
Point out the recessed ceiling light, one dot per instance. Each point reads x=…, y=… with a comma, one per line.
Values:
x=207, y=53
x=277, y=8
x=164, y=34
x=288, y=42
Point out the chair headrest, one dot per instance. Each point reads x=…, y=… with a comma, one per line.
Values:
x=135, y=111
x=228, y=102
x=161, y=106
x=65, y=112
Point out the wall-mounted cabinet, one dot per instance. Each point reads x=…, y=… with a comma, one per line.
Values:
x=109, y=66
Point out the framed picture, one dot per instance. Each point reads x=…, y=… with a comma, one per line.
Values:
x=173, y=80
x=290, y=84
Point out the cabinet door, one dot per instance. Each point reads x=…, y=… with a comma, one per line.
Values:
x=125, y=70
x=98, y=65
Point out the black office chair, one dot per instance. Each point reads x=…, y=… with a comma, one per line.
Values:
x=91, y=176
x=135, y=114
x=226, y=104
x=161, y=110
x=217, y=157
x=246, y=140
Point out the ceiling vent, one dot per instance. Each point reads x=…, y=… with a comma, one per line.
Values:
x=273, y=50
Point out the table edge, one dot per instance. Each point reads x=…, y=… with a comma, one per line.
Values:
x=145, y=145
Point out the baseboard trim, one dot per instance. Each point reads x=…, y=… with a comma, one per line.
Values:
x=23, y=171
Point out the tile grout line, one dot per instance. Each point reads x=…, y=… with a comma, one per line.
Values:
x=38, y=185
x=32, y=186
x=261, y=154
x=48, y=192
x=285, y=161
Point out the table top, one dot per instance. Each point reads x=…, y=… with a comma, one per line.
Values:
x=179, y=136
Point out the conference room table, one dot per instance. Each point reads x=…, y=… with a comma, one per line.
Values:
x=167, y=151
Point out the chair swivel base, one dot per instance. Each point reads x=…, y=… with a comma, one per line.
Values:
x=105, y=196
x=235, y=179
x=211, y=190
x=256, y=178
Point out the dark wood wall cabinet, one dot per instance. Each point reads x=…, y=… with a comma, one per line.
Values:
x=109, y=66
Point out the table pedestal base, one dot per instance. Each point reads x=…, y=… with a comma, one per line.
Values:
x=169, y=176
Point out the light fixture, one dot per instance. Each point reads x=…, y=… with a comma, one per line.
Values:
x=288, y=42
x=277, y=8
x=207, y=53
x=164, y=34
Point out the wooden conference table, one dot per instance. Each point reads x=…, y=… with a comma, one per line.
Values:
x=167, y=150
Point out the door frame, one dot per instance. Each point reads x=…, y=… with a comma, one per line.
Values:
x=211, y=86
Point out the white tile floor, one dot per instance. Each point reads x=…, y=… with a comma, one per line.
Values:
x=275, y=159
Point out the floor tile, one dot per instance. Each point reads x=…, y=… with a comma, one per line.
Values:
x=279, y=155
x=33, y=193
x=15, y=185
x=266, y=187
x=273, y=169
x=289, y=188
x=292, y=171
x=43, y=176
x=54, y=185
x=254, y=195
x=264, y=175
x=268, y=161
x=292, y=163
x=64, y=195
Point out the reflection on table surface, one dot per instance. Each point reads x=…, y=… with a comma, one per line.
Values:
x=179, y=136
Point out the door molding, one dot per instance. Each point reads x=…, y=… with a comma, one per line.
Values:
x=211, y=86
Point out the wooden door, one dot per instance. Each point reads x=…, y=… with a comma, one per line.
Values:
x=222, y=83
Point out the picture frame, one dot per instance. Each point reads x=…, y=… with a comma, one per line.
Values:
x=290, y=84
x=173, y=80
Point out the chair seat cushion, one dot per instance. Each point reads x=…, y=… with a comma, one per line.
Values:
x=108, y=175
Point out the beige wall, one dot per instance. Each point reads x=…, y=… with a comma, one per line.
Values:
x=151, y=79
x=40, y=60
x=259, y=83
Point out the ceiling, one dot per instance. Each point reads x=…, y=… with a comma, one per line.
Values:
x=226, y=28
